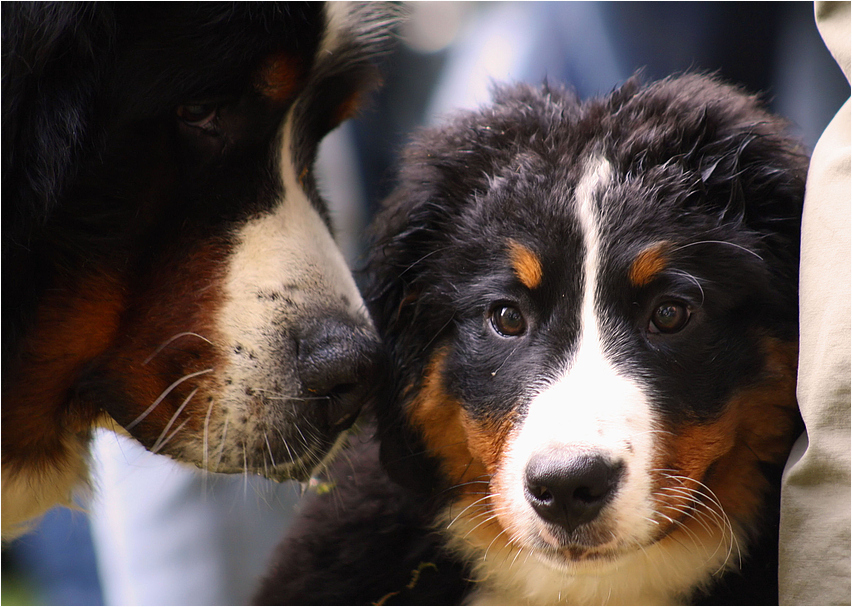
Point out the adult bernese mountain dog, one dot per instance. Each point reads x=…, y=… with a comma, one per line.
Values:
x=591, y=312
x=167, y=259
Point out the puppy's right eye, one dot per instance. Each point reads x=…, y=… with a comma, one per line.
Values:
x=508, y=321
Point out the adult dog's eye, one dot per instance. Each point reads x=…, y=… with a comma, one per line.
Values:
x=669, y=317
x=197, y=114
x=508, y=321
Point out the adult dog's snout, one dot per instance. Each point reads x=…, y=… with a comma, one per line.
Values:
x=338, y=362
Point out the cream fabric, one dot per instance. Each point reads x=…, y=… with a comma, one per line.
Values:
x=815, y=498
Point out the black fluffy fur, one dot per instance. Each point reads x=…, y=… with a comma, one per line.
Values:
x=700, y=154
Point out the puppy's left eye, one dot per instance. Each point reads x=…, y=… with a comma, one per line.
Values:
x=669, y=317
x=197, y=115
x=508, y=321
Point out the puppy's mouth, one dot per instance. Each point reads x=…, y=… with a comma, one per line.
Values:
x=577, y=558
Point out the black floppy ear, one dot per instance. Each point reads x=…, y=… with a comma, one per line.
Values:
x=392, y=293
x=53, y=60
x=404, y=278
x=747, y=163
x=754, y=174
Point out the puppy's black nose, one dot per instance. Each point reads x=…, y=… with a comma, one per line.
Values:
x=570, y=490
x=338, y=362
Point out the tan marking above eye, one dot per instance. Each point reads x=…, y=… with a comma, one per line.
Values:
x=526, y=264
x=648, y=263
x=279, y=77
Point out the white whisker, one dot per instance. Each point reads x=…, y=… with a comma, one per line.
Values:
x=180, y=409
x=172, y=339
x=165, y=393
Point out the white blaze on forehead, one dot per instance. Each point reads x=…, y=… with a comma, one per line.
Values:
x=590, y=405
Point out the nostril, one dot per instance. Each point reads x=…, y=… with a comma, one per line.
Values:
x=541, y=494
x=570, y=490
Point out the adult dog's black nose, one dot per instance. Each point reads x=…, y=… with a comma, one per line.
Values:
x=570, y=490
x=338, y=362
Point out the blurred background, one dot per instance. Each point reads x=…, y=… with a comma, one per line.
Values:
x=154, y=532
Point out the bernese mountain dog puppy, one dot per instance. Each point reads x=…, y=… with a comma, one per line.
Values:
x=168, y=262
x=591, y=312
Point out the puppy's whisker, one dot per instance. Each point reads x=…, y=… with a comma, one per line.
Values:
x=721, y=242
x=469, y=506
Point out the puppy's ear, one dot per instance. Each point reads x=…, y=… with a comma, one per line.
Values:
x=751, y=173
x=393, y=295
x=54, y=56
x=747, y=164
x=403, y=291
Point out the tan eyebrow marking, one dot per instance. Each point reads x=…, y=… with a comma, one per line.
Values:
x=648, y=263
x=279, y=77
x=526, y=264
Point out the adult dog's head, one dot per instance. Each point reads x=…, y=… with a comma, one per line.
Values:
x=167, y=259
x=591, y=310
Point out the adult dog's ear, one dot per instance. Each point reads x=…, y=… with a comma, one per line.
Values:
x=345, y=72
x=51, y=72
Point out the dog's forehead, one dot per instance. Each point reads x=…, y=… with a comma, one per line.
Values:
x=196, y=51
x=538, y=219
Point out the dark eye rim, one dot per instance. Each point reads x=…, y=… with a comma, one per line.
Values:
x=688, y=311
x=494, y=320
x=198, y=115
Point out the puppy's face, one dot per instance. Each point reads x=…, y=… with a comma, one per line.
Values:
x=210, y=312
x=610, y=348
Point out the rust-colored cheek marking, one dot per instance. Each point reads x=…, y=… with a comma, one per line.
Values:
x=186, y=298
x=648, y=263
x=280, y=77
x=469, y=450
x=759, y=425
x=73, y=326
x=526, y=264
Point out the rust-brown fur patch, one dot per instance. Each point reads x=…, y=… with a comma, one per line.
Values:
x=73, y=324
x=526, y=264
x=280, y=77
x=469, y=450
x=648, y=263
x=758, y=425
x=185, y=301
x=347, y=109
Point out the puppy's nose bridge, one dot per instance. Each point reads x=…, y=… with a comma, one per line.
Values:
x=571, y=489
